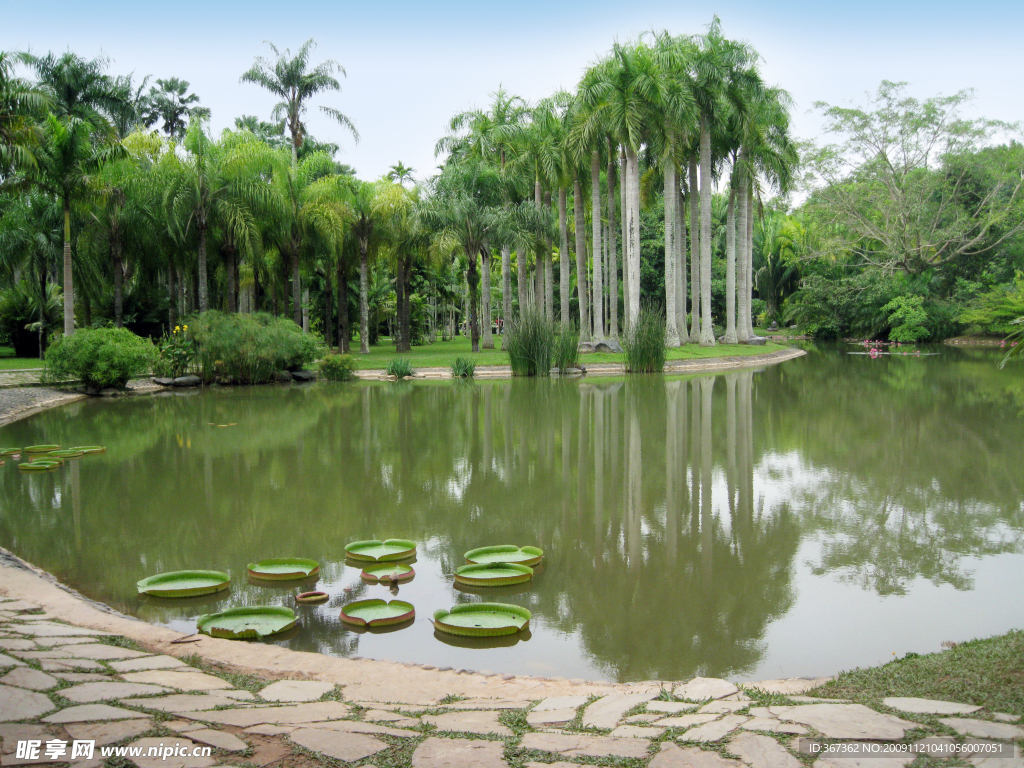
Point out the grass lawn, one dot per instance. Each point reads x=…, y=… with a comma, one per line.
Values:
x=8, y=361
x=442, y=354
x=988, y=673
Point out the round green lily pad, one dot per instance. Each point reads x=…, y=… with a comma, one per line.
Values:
x=65, y=453
x=505, y=553
x=281, y=568
x=184, y=583
x=246, y=623
x=493, y=574
x=381, y=573
x=482, y=619
x=377, y=613
x=40, y=465
x=311, y=598
x=381, y=551
x=9, y=451
x=90, y=448
x=41, y=448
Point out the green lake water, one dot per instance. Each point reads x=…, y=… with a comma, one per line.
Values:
x=800, y=519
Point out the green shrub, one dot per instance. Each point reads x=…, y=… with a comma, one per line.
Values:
x=249, y=348
x=644, y=342
x=463, y=368
x=176, y=353
x=400, y=367
x=565, y=352
x=907, y=319
x=995, y=312
x=530, y=342
x=338, y=368
x=101, y=357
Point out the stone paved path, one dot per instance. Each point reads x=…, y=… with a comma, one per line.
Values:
x=59, y=683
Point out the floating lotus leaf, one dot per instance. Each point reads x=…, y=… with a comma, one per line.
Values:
x=378, y=573
x=40, y=465
x=482, y=619
x=377, y=613
x=41, y=448
x=184, y=583
x=247, y=623
x=493, y=574
x=9, y=451
x=281, y=568
x=311, y=598
x=66, y=453
x=90, y=448
x=505, y=553
x=381, y=551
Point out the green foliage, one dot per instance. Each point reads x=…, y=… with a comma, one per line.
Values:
x=994, y=312
x=338, y=368
x=249, y=349
x=530, y=342
x=176, y=353
x=19, y=316
x=399, y=367
x=907, y=318
x=463, y=368
x=644, y=342
x=565, y=350
x=101, y=357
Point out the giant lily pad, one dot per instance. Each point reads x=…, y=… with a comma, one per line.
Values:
x=389, y=572
x=247, y=623
x=184, y=583
x=377, y=613
x=282, y=568
x=493, y=574
x=505, y=553
x=9, y=451
x=40, y=465
x=482, y=619
x=381, y=551
x=41, y=448
x=90, y=448
x=65, y=453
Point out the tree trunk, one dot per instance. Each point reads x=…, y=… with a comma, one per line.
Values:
x=485, y=298
x=364, y=300
x=328, y=306
x=473, y=281
x=623, y=209
x=694, y=254
x=343, y=334
x=229, y=253
x=296, y=289
x=633, y=250
x=506, y=284
x=743, y=286
x=203, y=293
x=613, y=251
x=730, y=270
x=563, y=257
x=549, y=271
x=595, y=228
x=399, y=303
x=522, y=279
x=582, y=290
x=680, y=214
x=707, y=330
x=304, y=307
x=748, y=257
x=671, y=254
x=69, y=280
x=406, y=319
x=172, y=296
x=118, y=286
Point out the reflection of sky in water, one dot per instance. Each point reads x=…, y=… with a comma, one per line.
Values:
x=843, y=520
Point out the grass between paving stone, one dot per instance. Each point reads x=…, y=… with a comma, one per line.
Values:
x=986, y=672
x=121, y=642
x=245, y=681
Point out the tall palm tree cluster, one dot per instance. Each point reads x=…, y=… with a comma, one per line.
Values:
x=130, y=225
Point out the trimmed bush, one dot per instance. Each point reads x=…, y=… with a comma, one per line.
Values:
x=338, y=368
x=400, y=367
x=249, y=348
x=644, y=342
x=463, y=368
x=101, y=357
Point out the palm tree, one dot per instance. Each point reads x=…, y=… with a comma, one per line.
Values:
x=21, y=104
x=780, y=275
x=172, y=105
x=401, y=173
x=363, y=221
x=290, y=78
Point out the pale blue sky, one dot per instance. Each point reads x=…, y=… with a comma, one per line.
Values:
x=411, y=65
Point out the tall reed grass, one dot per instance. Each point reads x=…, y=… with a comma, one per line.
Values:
x=644, y=342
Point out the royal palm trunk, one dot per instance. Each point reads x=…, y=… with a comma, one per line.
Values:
x=485, y=299
x=742, y=283
x=671, y=254
x=707, y=331
x=364, y=299
x=69, y=281
x=730, y=270
x=595, y=220
x=563, y=257
x=633, y=219
x=694, y=253
x=613, y=250
x=582, y=289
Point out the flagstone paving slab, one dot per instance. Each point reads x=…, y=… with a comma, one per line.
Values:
x=98, y=652
x=46, y=629
x=472, y=721
x=85, y=693
x=92, y=712
x=267, y=729
x=550, y=717
x=845, y=721
x=772, y=725
x=701, y=688
x=636, y=732
x=169, y=762
x=108, y=732
x=183, y=726
x=928, y=706
x=788, y=686
x=68, y=665
x=558, y=703
x=238, y=695
x=670, y=706
x=870, y=761
x=33, y=679
x=19, y=704
x=80, y=677
x=219, y=739
x=10, y=735
x=1005, y=718
x=9, y=661
x=561, y=764
x=187, y=679
x=983, y=728
x=355, y=726
x=606, y=711
x=724, y=707
x=489, y=704
x=184, y=702
x=674, y=756
x=17, y=645
x=383, y=716
x=295, y=690
x=714, y=730
x=337, y=744
x=459, y=753
x=55, y=653
x=580, y=745
x=686, y=721
x=147, y=662
x=759, y=751
x=297, y=713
